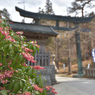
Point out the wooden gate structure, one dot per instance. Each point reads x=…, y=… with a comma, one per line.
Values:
x=76, y=20
x=42, y=58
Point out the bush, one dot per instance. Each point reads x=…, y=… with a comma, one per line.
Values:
x=16, y=78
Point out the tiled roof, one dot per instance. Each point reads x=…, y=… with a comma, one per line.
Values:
x=33, y=28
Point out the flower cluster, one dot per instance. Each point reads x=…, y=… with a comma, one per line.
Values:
x=26, y=93
x=24, y=65
x=27, y=49
x=35, y=43
x=20, y=32
x=7, y=36
x=8, y=28
x=37, y=67
x=37, y=88
x=28, y=57
x=5, y=75
x=51, y=89
x=0, y=64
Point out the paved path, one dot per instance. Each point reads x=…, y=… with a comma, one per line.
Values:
x=74, y=86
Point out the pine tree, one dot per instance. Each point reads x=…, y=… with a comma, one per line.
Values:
x=79, y=5
x=48, y=8
x=41, y=11
x=5, y=14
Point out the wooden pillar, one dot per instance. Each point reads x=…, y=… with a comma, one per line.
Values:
x=57, y=23
x=37, y=21
x=78, y=47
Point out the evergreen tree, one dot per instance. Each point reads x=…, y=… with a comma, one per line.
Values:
x=48, y=8
x=41, y=11
x=0, y=14
x=5, y=14
x=91, y=14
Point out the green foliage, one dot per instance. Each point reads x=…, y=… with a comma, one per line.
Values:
x=48, y=8
x=3, y=92
x=14, y=52
x=5, y=14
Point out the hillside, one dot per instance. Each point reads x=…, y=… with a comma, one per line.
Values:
x=74, y=67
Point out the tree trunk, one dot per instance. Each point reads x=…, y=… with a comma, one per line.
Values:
x=82, y=12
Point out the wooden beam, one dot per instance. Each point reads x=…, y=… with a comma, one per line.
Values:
x=53, y=17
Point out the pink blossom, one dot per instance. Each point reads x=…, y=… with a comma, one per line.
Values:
x=37, y=46
x=27, y=49
x=0, y=64
x=38, y=67
x=1, y=29
x=37, y=88
x=51, y=89
x=20, y=32
x=24, y=65
x=28, y=57
x=26, y=93
x=4, y=81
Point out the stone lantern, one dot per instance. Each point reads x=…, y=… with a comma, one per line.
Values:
x=53, y=61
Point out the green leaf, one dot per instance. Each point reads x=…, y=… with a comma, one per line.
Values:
x=1, y=38
x=21, y=84
x=34, y=50
x=30, y=72
x=37, y=92
x=44, y=92
x=3, y=92
x=4, y=60
x=1, y=58
x=1, y=68
x=12, y=85
x=6, y=45
x=38, y=80
x=23, y=80
x=41, y=82
x=16, y=87
x=16, y=57
x=44, y=78
x=20, y=58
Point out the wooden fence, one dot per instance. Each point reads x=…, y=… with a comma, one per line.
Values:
x=42, y=58
x=89, y=72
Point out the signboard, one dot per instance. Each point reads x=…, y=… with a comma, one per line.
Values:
x=93, y=55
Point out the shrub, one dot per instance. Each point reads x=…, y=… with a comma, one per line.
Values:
x=16, y=78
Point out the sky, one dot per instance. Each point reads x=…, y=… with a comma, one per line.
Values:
x=59, y=7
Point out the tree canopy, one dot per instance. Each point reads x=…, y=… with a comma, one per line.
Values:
x=80, y=5
x=48, y=8
x=5, y=14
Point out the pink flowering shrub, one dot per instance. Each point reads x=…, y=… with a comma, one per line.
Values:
x=15, y=75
